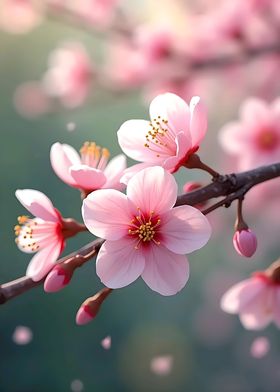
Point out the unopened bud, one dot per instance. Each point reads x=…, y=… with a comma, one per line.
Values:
x=193, y=186
x=58, y=278
x=245, y=242
x=90, y=307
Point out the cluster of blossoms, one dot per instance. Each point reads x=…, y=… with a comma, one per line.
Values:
x=161, y=52
x=144, y=232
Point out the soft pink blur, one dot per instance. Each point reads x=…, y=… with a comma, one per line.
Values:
x=20, y=16
x=22, y=335
x=162, y=365
x=70, y=74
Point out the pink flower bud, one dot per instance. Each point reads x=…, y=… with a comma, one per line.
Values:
x=84, y=315
x=245, y=242
x=191, y=186
x=57, y=279
x=90, y=307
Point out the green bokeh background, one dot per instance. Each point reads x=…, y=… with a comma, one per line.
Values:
x=142, y=324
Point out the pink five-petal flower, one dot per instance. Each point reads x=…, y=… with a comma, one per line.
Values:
x=42, y=234
x=89, y=172
x=144, y=234
x=256, y=300
x=170, y=137
x=255, y=139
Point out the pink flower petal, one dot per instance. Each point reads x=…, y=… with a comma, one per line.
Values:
x=114, y=171
x=132, y=140
x=184, y=229
x=254, y=111
x=118, y=263
x=38, y=204
x=62, y=157
x=198, y=123
x=260, y=347
x=241, y=294
x=172, y=108
x=43, y=261
x=153, y=189
x=234, y=138
x=22, y=335
x=108, y=219
x=106, y=343
x=132, y=170
x=162, y=365
x=183, y=145
x=165, y=272
x=87, y=177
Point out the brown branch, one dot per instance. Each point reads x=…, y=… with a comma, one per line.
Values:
x=232, y=186
x=21, y=285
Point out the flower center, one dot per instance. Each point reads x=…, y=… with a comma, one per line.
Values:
x=267, y=139
x=159, y=138
x=94, y=156
x=145, y=228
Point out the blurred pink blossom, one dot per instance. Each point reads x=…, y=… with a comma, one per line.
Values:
x=162, y=364
x=255, y=139
x=144, y=234
x=171, y=136
x=256, y=300
x=89, y=172
x=260, y=347
x=22, y=335
x=70, y=74
x=42, y=234
x=106, y=343
x=99, y=13
x=20, y=16
x=31, y=100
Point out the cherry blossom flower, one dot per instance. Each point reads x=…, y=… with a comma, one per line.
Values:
x=256, y=300
x=170, y=138
x=69, y=75
x=255, y=139
x=91, y=170
x=20, y=16
x=144, y=234
x=42, y=234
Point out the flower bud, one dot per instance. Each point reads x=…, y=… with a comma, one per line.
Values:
x=58, y=278
x=245, y=242
x=90, y=307
x=193, y=186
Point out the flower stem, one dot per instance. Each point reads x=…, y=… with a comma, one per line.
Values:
x=194, y=162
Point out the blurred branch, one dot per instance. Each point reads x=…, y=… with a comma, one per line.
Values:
x=244, y=56
x=233, y=186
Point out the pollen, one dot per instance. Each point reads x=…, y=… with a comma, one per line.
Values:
x=24, y=233
x=158, y=137
x=144, y=228
x=94, y=156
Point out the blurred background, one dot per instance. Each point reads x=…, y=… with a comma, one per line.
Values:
x=124, y=53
